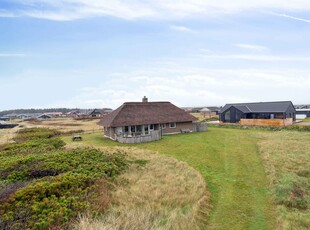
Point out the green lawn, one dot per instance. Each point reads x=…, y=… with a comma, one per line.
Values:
x=229, y=161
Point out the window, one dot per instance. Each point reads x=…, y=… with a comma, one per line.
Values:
x=227, y=116
x=152, y=126
x=279, y=116
x=163, y=126
x=146, y=129
x=139, y=128
x=173, y=125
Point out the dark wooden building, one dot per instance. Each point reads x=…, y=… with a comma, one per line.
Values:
x=241, y=112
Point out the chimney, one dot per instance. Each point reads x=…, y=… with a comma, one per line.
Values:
x=144, y=99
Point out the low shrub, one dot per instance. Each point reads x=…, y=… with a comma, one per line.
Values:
x=35, y=133
x=44, y=185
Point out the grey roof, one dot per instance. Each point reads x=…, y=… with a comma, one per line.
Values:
x=302, y=106
x=260, y=107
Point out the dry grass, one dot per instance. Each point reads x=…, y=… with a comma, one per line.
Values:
x=66, y=124
x=6, y=135
x=203, y=118
x=157, y=192
x=199, y=116
x=286, y=156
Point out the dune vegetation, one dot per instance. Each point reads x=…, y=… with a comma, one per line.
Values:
x=47, y=185
x=258, y=178
x=43, y=185
x=252, y=179
x=286, y=156
x=229, y=162
x=159, y=193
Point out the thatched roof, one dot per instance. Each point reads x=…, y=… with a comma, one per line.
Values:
x=140, y=113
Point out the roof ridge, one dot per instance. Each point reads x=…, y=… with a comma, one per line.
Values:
x=144, y=103
x=248, y=108
x=242, y=103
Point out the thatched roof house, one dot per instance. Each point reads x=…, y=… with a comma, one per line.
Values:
x=143, y=118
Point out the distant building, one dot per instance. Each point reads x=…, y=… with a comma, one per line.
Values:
x=303, y=110
x=54, y=114
x=44, y=116
x=96, y=113
x=4, y=118
x=207, y=112
x=23, y=116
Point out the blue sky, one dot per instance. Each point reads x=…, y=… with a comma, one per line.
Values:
x=79, y=53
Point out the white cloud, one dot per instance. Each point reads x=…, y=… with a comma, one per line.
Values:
x=264, y=58
x=196, y=87
x=290, y=17
x=153, y=9
x=181, y=28
x=252, y=47
x=183, y=86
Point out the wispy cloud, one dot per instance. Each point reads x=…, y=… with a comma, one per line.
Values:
x=264, y=58
x=12, y=55
x=7, y=14
x=252, y=47
x=132, y=9
x=181, y=29
x=195, y=87
x=291, y=17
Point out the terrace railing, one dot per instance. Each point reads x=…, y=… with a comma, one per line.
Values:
x=133, y=139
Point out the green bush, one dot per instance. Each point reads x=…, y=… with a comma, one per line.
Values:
x=35, y=133
x=44, y=185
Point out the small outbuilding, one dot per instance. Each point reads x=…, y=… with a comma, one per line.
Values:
x=281, y=113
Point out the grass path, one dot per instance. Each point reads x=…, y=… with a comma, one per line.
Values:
x=228, y=160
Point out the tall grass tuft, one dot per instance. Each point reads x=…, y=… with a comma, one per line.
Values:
x=161, y=194
x=286, y=156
